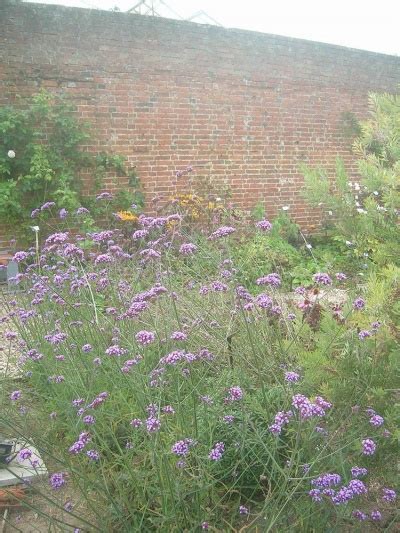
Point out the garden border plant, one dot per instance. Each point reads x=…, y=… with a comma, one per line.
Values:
x=197, y=402
x=44, y=159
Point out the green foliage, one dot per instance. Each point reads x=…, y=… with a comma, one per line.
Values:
x=364, y=215
x=350, y=125
x=50, y=162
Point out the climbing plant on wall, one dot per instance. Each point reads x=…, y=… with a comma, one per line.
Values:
x=43, y=158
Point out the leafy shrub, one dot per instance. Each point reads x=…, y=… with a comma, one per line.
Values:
x=362, y=213
x=43, y=159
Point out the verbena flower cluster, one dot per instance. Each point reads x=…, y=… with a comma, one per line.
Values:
x=168, y=377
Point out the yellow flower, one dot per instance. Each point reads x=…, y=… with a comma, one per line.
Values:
x=127, y=216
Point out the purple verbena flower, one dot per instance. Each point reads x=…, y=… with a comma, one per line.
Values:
x=275, y=429
x=322, y=278
x=145, y=337
x=264, y=225
x=358, y=471
x=47, y=205
x=375, y=515
x=359, y=515
x=368, y=447
x=234, y=394
x=178, y=336
x=104, y=196
x=321, y=402
x=57, y=337
x=376, y=420
x=78, y=402
x=182, y=447
x=218, y=286
x=20, y=256
x=58, y=480
x=223, y=231
x=115, y=350
x=315, y=495
x=292, y=377
x=326, y=480
x=93, y=455
x=273, y=279
x=264, y=301
x=300, y=290
x=100, y=398
x=76, y=447
x=217, y=452
x=139, y=234
x=359, y=303
x=357, y=487
x=389, y=495
x=187, y=249
x=153, y=424
x=24, y=454
x=15, y=395
x=82, y=211
x=10, y=335
x=87, y=348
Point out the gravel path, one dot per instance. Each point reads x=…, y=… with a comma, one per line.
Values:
x=9, y=352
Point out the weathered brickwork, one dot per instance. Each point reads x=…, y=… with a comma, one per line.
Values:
x=248, y=108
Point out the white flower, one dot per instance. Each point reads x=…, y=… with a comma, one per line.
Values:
x=376, y=193
x=330, y=213
x=285, y=208
x=381, y=208
x=350, y=184
x=358, y=204
x=35, y=228
x=365, y=254
x=349, y=243
x=309, y=246
x=361, y=211
x=357, y=187
x=11, y=154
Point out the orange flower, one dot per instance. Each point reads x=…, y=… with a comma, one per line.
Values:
x=127, y=216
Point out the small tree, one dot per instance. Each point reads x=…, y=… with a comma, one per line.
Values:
x=363, y=213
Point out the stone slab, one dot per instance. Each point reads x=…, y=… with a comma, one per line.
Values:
x=17, y=471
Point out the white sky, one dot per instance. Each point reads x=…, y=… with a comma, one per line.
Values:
x=366, y=24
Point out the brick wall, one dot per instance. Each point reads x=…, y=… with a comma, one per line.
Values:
x=247, y=107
